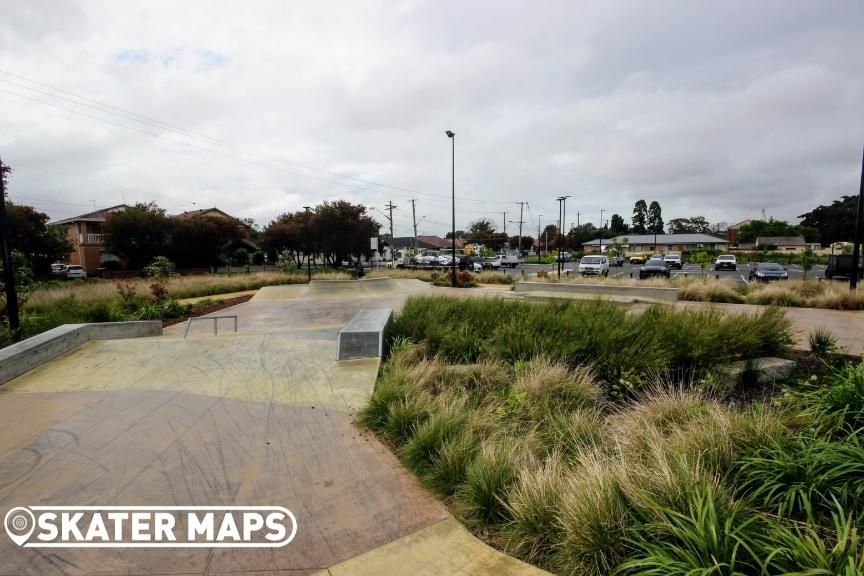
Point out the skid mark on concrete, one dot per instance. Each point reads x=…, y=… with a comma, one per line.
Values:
x=265, y=367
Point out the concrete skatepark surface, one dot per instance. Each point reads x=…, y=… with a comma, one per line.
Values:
x=260, y=417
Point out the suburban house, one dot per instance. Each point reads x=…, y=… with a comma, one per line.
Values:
x=660, y=243
x=785, y=243
x=732, y=231
x=88, y=239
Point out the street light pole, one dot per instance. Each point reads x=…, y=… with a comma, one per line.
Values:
x=452, y=137
x=600, y=231
x=859, y=233
x=561, y=200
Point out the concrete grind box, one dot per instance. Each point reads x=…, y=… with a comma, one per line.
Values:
x=364, y=336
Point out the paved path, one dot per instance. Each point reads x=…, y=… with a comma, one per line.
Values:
x=262, y=417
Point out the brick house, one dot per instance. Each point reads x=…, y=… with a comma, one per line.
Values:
x=88, y=238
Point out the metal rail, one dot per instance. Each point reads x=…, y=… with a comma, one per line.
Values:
x=215, y=323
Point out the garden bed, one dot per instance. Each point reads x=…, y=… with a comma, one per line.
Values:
x=587, y=440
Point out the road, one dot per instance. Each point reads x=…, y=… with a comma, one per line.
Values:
x=796, y=272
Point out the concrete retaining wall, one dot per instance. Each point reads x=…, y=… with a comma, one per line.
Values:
x=32, y=352
x=670, y=294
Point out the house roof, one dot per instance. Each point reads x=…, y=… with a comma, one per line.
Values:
x=662, y=239
x=192, y=214
x=740, y=224
x=780, y=241
x=95, y=216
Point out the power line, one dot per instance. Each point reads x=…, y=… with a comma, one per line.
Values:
x=154, y=123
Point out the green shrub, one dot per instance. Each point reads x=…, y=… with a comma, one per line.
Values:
x=450, y=464
x=822, y=343
x=430, y=435
x=710, y=537
x=837, y=407
x=487, y=479
x=798, y=549
x=803, y=477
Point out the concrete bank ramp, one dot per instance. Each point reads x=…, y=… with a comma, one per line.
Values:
x=342, y=289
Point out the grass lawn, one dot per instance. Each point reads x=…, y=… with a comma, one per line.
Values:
x=586, y=440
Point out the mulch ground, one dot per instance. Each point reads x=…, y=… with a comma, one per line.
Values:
x=196, y=311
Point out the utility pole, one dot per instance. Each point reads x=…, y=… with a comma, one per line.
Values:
x=8, y=272
x=390, y=208
x=414, y=220
x=577, y=220
x=561, y=218
x=452, y=138
x=306, y=247
x=505, y=223
x=859, y=234
x=538, y=234
x=519, y=243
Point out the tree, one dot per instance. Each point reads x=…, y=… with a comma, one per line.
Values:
x=23, y=282
x=750, y=232
x=655, y=218
x=287, y=233
x=138, y=233
x=480, y=232
x=342, y=230
x=527, y=242
x=694, y=225
x=835, y=222
x=459, y=234
x=29, y=233
x=617, y=225
x=202, y=241
x=640, y=217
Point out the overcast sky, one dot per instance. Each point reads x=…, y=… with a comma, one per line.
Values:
x=719, y=109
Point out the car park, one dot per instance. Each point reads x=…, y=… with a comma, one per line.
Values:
x=75, y=271
x=637, y=258
x=726, y=262
x=616, y=260
x=673, y=260
x=654, y=267
x=594, y=266
x=768, y=272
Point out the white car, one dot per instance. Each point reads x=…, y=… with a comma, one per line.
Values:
x=477, y=266
x=75, y=271
x=673, y=260
x=594, y=266
x=58, y=268
x=726, y=262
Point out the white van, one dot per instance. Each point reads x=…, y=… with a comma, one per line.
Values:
x=594, y=266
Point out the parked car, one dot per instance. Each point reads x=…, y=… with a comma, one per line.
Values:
x=428, y=259
x=654, y=267
x=840, y=266
x=616, y=259
x=726, y=262
x=58, y=268
x=594, y=266
x=510, y=259
x=564, y=257
x=477, y=266
x=673, y=261
x=637, y=258
x=491, y=263
x=75, y=271
x=768, y=272
x=444, y=260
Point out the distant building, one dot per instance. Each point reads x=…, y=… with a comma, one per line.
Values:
x=785, y=243
x=661, y=243
x=732, y=231
x=88, y=238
